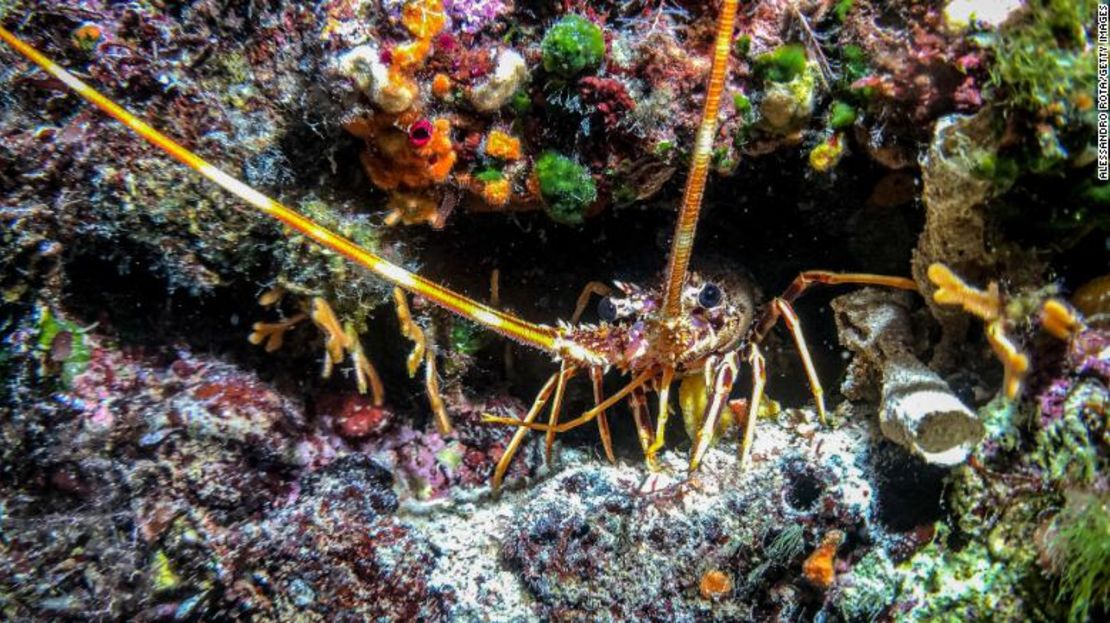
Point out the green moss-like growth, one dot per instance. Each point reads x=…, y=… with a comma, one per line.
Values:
x=62, y=343
x=489, y=175
x=573, y=45
x=468, y=338
x=842, y=9
x=1079, y=544
x=1046, y=60
x=874, y=585
x=841, y=115
x=742, y=103
x=521, y=103
x=855, y=62
x=743, y=45
x=567, y=187
x=782, y=64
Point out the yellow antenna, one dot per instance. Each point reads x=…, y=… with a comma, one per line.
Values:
x=683, y=242
x=536, y=335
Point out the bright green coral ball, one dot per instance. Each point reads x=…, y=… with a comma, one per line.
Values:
x=782, y=64
x=573, y=45
x=566, y=187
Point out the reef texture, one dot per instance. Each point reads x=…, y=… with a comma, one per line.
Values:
x=189, y=428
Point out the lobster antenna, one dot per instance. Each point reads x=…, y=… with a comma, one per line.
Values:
x=539, y=336
x=683, y=242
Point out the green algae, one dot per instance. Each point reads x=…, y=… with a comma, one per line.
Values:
x=572, y=45
x=63, y=345
x=567, y=188
x=841, y=115
x=1079, y=544
x=783, y=64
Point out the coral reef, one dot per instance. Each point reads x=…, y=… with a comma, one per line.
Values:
x=182, y=431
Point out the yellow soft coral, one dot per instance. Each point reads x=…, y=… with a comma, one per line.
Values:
x=1057, y=318
x=951, y=290
x=987, y=305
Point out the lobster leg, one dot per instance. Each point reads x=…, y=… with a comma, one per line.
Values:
x=602, y=423
x=809, y=278
x=781, y=309
x=565, y=373
x=638, y=403
x=759, y=381
x=518, y=437
x=600, y=289
x=593, y=287
x=725, y=376
x=585, y=418
x=661, y=421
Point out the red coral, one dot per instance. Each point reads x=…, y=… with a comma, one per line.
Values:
x=608, y=97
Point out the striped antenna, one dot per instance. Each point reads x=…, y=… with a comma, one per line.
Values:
x=683, y=242
x=539, y=336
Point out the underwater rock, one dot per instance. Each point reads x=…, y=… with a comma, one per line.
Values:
x=510, y=73
x=363, y=65
x=156, y=466
x=338, y=550
x=917, y=408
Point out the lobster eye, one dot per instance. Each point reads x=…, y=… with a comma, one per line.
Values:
x=606, y=310
x=710, y=296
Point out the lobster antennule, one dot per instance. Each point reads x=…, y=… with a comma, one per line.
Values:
x=538, y=336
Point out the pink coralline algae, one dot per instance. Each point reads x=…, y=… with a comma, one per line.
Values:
x=470, y=16
x=432, y=465
x=1086, y=355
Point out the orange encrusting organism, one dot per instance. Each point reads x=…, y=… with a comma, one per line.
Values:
x=539, y=336
x=683, y=242
x=714, y=584
x=423, y=18
x=497, y=192
x=441, y=85
x=396, y=163
x=503, y=146
x=820, y=567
